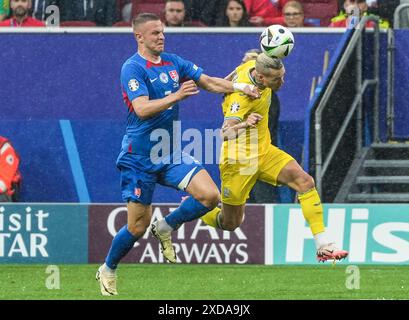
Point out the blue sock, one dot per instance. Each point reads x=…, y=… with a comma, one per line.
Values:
x=121, y=245
x=189, y=210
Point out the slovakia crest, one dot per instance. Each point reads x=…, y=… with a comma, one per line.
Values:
x=174, y=75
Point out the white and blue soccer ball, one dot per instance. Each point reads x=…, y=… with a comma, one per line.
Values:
x=277, y=41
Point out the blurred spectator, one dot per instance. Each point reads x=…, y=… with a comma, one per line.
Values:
x=39, y=8
x=383, y=8
x=126, y=11
x=175, y=15
x=102, y=12
x=10, y=176
x=204, y=11
x=105, y=12
x=293, y=13
x=354, y=9
x=234, y=14
x=4, y=9
x=265, y=12
x=20, y=10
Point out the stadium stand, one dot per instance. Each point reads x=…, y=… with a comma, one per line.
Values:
x=122, y=24
x=154, y=6
x=320, y=12
x=71, y=23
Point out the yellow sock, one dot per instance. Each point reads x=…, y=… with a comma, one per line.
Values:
x=312, y=210
x=210, y=218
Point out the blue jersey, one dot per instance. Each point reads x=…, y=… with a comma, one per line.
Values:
x=140, y=77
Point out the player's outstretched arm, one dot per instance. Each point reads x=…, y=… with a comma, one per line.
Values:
x=219, y=85
x=145, y=108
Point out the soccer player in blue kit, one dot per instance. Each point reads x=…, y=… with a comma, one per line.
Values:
x=151, y=89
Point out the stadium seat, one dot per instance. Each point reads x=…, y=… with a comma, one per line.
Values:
x=196, y=23
x=77, y=24
x=320, y=11
x=122, y=24
x=152, y=6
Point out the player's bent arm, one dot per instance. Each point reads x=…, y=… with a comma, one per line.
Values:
x=145, y=108
x=232, y=128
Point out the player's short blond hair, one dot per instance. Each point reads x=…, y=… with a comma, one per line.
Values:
x=143, y=18
x=264, y=62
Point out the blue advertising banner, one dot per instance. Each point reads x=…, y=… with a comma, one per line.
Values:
x=401, y=93
x=49, y=233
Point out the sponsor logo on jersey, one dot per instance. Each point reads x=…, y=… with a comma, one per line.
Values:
x=133, y=85
x=174, y=75
x=164, y=77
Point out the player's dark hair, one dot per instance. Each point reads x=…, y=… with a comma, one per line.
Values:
x=143, y=18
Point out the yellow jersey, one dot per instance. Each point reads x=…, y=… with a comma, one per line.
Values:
x=255, y=141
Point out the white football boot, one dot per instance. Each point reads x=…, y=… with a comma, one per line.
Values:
x=107, y=282
x=165, y=240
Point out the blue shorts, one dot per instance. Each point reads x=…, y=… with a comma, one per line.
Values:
x=139, y=175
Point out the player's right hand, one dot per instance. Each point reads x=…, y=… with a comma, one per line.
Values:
x=253, y=119
x=252, y=91
x=188, y=88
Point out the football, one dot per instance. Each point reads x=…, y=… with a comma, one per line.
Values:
x=277, y=41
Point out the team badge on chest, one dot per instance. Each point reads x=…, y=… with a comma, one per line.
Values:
x=164, y=77
x=174, y=75
x=235, y=107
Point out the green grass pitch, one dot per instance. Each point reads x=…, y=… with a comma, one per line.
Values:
x=208, y=282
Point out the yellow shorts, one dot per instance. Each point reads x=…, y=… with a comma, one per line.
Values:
x=238, y=179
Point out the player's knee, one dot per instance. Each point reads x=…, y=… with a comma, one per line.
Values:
x=139, y=227
x=210, y=198
x=230, y=225
x=306, y=183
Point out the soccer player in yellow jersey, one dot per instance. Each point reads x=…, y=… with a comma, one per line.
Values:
x=248, y=155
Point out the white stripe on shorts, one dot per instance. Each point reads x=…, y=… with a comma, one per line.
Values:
x=185, y=181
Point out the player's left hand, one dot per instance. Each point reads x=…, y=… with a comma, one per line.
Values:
x=253, y=119
x=251, y=91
